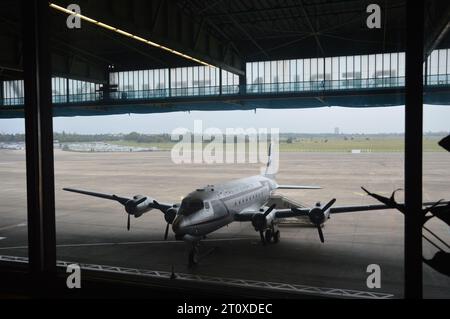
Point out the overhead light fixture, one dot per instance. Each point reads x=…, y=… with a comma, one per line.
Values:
x=127, y=34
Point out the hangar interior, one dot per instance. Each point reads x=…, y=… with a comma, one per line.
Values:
x=193, y=55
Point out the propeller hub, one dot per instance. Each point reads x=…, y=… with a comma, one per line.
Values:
x=317, y=216
x=170, y=215
x=132, y=204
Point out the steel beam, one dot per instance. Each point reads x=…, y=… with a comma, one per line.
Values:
x=413, y=148
x=311, y=27
x=441, y=29
x=39, y=140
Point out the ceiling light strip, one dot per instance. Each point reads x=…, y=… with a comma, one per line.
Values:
x=122, y=32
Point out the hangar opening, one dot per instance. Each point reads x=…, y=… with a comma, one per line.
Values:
x=118, y=149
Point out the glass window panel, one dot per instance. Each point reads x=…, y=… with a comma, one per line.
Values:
x=280, y=71
x=260, y=72
x=357, y=67
x=335, y=68
x=371, y=66
x=448, y=61
x=299, y=74
x=266, y=72
x=286, y=70
x=135, y=84
x=195, y=77
x=274, y=72
x=314, y=74
x=306, y=70
x=349, y=65
x=379, y=65
x=442, y=62
x=342, y=68
x=386, y=65
x=401, y=64
x=248, y=73
x=207, y=76
x=394, y=64
x=321, y=69
x=292, y=71
x=434, y=63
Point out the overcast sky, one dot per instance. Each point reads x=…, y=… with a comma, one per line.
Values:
x=314, y=120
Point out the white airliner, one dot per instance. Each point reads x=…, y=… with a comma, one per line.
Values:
x=245, y=200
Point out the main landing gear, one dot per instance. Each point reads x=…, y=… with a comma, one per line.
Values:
x=271, y=235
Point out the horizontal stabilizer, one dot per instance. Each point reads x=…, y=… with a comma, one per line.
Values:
x=298, y=187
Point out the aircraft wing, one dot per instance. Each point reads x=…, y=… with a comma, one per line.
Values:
x=304, y=211
x=247, y=215
x=298, y=187
x=136, y=206
x=294, y=212
x=151, y=203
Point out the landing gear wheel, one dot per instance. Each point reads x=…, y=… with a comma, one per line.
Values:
x=193, y=258
x=276, y=237
x=268, y=235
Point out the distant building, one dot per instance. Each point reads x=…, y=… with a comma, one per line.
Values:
x=336, y=131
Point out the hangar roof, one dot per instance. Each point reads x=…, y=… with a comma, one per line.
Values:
x=225, y=33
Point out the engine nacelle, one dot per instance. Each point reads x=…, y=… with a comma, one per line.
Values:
x=170, y=215
x=261, y=222
x=317, y=216
x=139, y=209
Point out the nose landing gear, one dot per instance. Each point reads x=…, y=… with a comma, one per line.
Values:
x=195, y=256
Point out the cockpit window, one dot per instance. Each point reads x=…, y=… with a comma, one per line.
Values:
x=190, y=205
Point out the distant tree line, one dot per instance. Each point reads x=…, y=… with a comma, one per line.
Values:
x=64, y=137
x=133, y=136
x=14, y=138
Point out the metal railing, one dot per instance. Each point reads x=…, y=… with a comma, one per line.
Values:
x=258, y=88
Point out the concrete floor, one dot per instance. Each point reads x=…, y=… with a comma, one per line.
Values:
x=93, y=230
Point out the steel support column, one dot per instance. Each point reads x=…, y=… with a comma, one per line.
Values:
x=242, y=84
x=413, y=148
x=39, y=140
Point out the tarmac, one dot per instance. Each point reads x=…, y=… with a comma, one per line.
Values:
x=93, y=230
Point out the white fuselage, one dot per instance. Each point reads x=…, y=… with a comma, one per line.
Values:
x=214, y=206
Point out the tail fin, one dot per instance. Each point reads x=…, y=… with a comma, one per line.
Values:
x=269, y=166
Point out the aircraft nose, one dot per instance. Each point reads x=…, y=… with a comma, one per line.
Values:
x=177, y=224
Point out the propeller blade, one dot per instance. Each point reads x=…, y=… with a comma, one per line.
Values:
x=269, y=210
x=393, y=194
x=319, y=229
x=263, y=240
x=128, y=222
x=167, y=231
x=327, y=206
x=434, y=205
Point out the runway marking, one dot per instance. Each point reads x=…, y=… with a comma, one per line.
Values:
x=359, y=194
x=133, y=243
x=266, y=285
x=13, y=226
